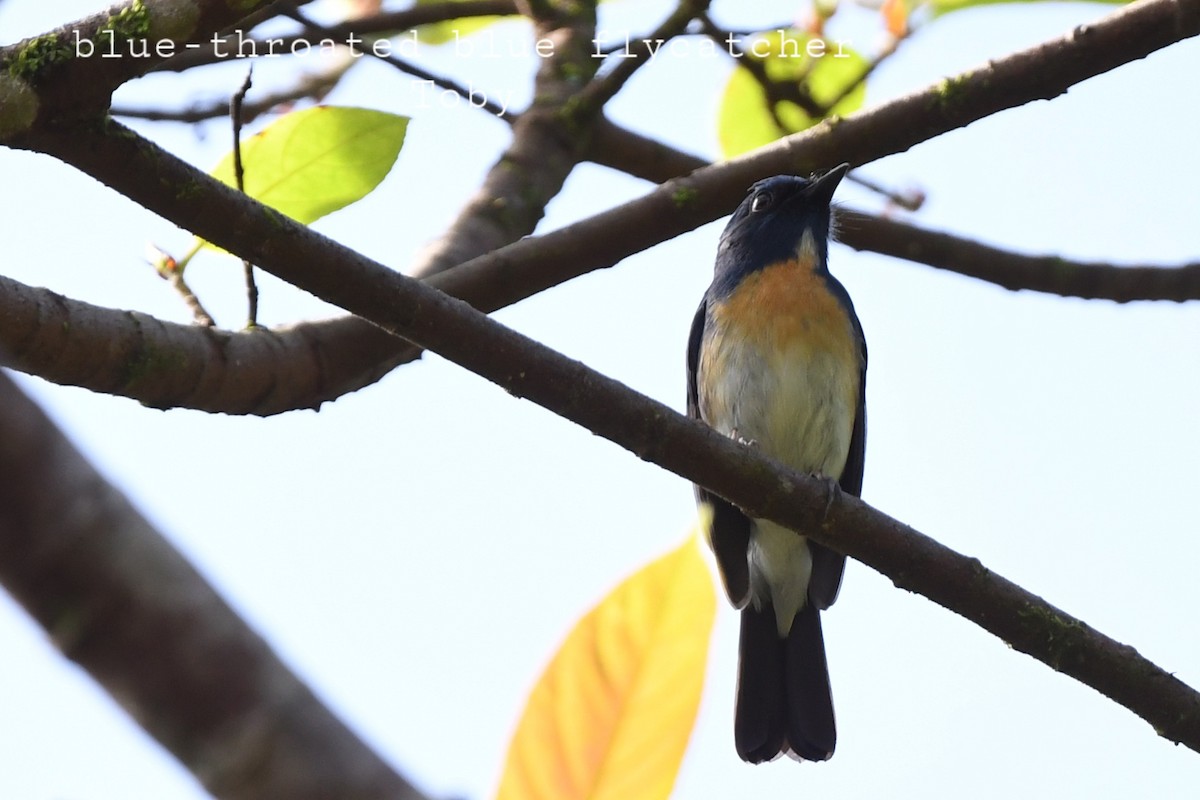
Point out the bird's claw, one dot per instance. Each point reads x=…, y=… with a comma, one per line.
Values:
x=832, y=492
x=737, y=437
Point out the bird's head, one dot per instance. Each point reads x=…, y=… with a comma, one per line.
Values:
x=782, y=218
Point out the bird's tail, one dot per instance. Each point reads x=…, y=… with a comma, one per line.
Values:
x=784, y=704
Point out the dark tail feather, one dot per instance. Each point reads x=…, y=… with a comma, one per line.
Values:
x=783, y=697
x=810, y=728
x=759, y=720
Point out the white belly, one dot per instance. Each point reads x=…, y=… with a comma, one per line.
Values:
x=798, y=407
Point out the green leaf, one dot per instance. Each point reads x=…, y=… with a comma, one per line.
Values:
x=312, y=162
x=745, y=121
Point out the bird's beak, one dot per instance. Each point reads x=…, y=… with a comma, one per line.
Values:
x=821, y=190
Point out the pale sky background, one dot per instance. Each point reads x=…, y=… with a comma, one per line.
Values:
x=417, y=550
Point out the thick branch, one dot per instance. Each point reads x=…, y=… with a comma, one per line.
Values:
x=123, y=604
x=649, y=159
x=525, y=368
x=162, y=363
x=70, y=84
x=167, y=365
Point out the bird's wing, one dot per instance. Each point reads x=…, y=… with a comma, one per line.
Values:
x=829, y=565
x=729, y=532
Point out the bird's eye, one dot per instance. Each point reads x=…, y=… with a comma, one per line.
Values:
x=761, y=202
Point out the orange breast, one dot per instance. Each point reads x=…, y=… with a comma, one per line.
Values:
x=788, y=305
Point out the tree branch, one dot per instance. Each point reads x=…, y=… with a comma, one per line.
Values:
x=640, y=156
x=167, y=365
x=547, y=143
x=118, y=600
x=605, y=87
x=411, y=70
x=525, y=368
x=386, y=23
x=1051, y=274
x=65, y=84
x=313, y=86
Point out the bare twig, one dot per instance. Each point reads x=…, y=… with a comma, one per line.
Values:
x=313, y=86
x=239, y=176
x=170, y=270
x=199, y=313
x=775, y=92
x=872, y=65
x=606, y=86
x=909, y=200
x=387, y=24
x=475, y=99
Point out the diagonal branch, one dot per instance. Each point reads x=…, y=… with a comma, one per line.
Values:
x=123, y=604
x=411, y=309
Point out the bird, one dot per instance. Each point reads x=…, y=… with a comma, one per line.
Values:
x=777, y=360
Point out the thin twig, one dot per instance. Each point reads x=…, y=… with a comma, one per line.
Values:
x=474, y=98
x=312, y=86
x=201, y=316
x=604, y=87
x=235, y=114
x=880, y=57
x=171, y=270
x=775, y=92
x=909, y=201
x=384, y=23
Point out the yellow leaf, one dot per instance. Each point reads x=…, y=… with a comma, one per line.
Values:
x=611, y=715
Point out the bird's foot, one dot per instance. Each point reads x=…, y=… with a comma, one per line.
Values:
x=737, y=437
x=832, y=492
